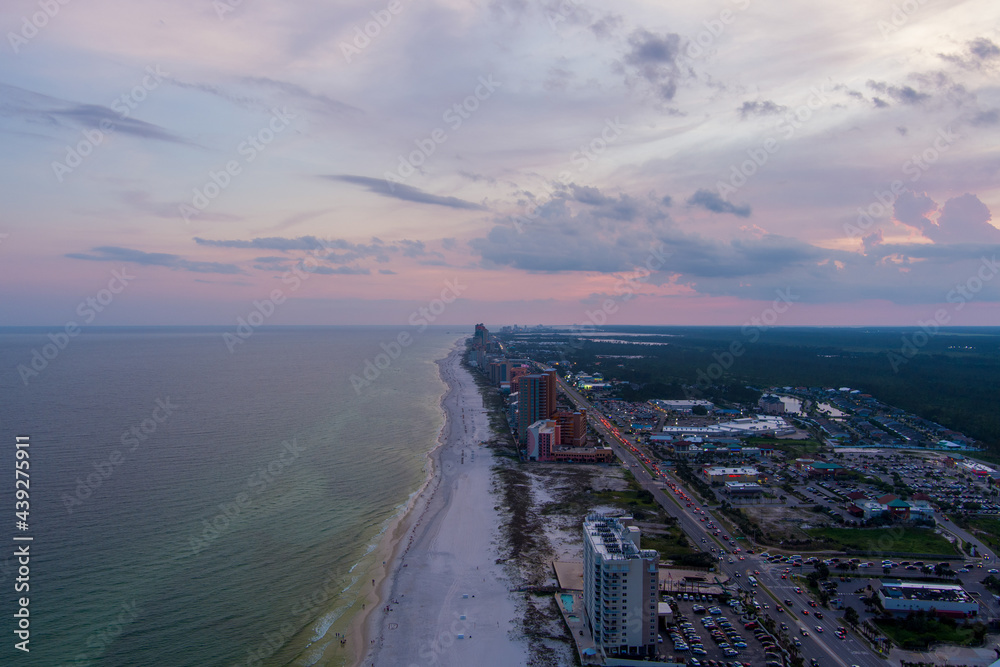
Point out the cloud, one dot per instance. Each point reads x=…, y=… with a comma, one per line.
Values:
x=902, y=94
x=713, y=202
x=963, y=219
x=765, y=108
x=980, y=52
x=264, y=93
x=340, y=270
x=335, y=251
x=653, y=57
x=564, y=238
x=938, y=253
x=984, y=49
x=143, y=201
x=223, y=282
x=988, y=117
x=872, y=240
x=623, y=207
x=266, y=243
x=318, y=102
x=914, y=210
x=405, y=192
x=587, y=195
x=605, y=27
x=38, y=108
x=102, y=118
x=413, y=248
x=176, y=262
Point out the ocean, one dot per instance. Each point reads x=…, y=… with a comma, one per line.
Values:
x=192, y=505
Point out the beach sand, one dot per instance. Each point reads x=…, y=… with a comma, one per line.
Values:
x=443, y=599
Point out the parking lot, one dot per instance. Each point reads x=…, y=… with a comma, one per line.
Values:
x=707, y=633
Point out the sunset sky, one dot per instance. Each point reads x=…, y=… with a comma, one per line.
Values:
x=360, y=158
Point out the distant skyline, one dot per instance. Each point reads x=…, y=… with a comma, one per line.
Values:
x=185, y=162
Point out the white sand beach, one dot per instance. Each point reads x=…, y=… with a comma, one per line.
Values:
x=445, y=600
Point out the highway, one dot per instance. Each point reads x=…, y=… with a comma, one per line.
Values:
x=825, y=647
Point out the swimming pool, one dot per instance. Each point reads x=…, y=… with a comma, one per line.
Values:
x=567, y=601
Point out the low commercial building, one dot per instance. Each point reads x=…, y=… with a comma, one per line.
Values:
x=743, y=489
x=977, y=469
x=951, y=600
x=824, y=469
x=745, y=427
x=872, y=508
x=900, y=510
x=583, y=454
x=720, y=474
x=685, y=406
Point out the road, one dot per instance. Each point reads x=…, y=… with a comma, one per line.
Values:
x=972, y=581
x=825, y=647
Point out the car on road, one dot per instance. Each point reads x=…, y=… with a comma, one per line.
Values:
x=818, y=614
x=819, y=628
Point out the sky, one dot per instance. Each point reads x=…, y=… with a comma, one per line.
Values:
x=505, y=161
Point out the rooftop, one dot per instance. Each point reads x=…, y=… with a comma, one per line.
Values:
x=911, y=590
x=612, y=539
x=719, y=470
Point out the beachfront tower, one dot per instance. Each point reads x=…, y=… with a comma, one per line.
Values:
x=619, y=587
x=536, y=400
x=543, y=438
x=528, y=390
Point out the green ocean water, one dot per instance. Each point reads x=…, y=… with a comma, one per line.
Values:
x=231, y=526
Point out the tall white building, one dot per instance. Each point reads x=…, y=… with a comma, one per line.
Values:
x=619, y=587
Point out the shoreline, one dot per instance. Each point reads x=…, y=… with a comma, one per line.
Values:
x=389, y=550
x=441, y=597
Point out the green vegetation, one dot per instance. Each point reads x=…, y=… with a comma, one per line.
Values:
x=952, y=380
x=918, y=631
x=672, y=546
x=987, y=529
x=636, y=500
x=910, y=540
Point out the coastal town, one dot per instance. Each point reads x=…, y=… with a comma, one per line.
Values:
x=813, y=526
